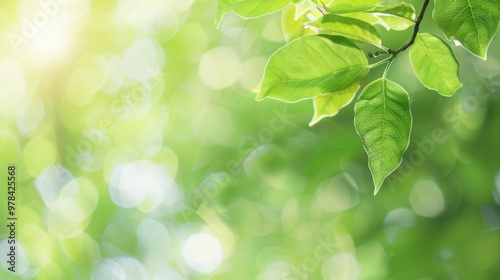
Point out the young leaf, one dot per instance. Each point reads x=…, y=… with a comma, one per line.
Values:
x=470, y=22
x=351, y=6
x=249, y=8
x=397, y=16
x=310, y=66
x=329, y=105
x=307, y=9
x=435, y=64
x=293, y=26
x=368, y=18
x=347, y=27
x=383, y=121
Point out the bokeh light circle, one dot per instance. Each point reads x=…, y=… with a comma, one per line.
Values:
x=202, y=252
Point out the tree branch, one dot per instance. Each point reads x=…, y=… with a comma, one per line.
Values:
x=415, y=31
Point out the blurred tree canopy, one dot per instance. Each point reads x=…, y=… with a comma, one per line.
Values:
x=141, y=153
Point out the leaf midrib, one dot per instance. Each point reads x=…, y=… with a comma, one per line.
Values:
x=361, y=67
x=474, y=20
x=379, y=162
x=435, y=64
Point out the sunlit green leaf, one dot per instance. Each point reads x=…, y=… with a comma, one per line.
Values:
x=368, y=18
x=397, y=16
x=311, y=66
x=306, y=8
x=329, y=105
x=351, y=6
x=472, y=23
x=347, y=27
x=293, y=26
x=249, y=8
x=383, y=121
x=435, y=64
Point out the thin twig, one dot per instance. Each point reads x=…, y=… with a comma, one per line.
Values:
x=415, y=31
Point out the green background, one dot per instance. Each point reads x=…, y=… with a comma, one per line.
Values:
x=142, y=154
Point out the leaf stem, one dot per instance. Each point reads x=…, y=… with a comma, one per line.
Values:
x=376, y=64
x=415, y=31
x=391, y=59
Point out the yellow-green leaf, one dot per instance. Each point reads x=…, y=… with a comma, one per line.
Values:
x=292, y=23
x=249, y=8
x=329, y=105
x=472, y=23
x=434, y=64
x=398, y=16
x=311, y=66
x=347, y=27
x=351, y=6
x=383, y=121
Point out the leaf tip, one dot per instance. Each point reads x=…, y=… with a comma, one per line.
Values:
x=314, y=120
x=450, y=94
x=260, y=97
x=377, y=182
x=480, y=53
x=218, y=20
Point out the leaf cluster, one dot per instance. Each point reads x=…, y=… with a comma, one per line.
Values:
x=324, y=62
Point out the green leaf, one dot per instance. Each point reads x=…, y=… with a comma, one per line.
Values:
x=312, y=65
x=472, y=23
x=347, y=27
x=435, y=64
x=249, y=8
x=397, y=16
x=292, y=25
x=351, y=6
x=366, y=17
x=383, y=121
x=308, y=10
x=330, y=104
